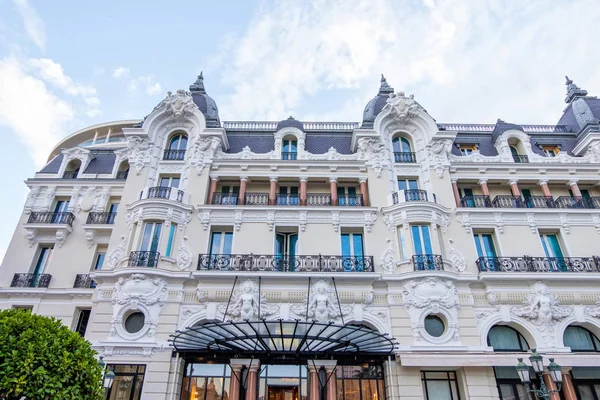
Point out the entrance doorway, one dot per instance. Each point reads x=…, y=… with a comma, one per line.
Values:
x=282, y=393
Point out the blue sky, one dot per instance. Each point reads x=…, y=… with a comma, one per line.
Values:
x=67, y=64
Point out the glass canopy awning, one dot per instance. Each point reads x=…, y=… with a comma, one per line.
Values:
x=298, y=339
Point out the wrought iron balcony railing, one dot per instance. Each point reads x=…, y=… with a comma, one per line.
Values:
x=31, y=280
x=520, y=159
x=164, y=192
x=256, y=199
x=351, y=200
x=318, y=199
x=404, y=157
x=143, y=259
x=174, y=155
x=101, y=218
x=428, y=262
x=477, y=201
x=122, y=174
x=70, y=174
x=51, y=218
x=225, y=199
x=84, y=281
x=415, y=195
x=297, y=263
x=289, y=155
x=539, y=202
x=576, y=202
x=538, y=264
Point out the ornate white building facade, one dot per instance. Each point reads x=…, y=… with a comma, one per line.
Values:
x=395, y=258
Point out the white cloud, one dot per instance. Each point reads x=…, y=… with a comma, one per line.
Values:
x=36, y=115
x=34, y=26
x=120, y=72
x=143, y=83
x=464, y=61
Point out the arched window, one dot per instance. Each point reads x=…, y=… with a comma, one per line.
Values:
x=123, y=171
x=580, y=339
x=177, y=146
x=402, y=150
x=72, y=169
x=289, y=148
x=505, y=338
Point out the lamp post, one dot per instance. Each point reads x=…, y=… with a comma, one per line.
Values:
x=537, y=362
x=108, y=378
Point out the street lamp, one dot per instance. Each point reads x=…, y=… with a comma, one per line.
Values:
x=537, y=362
x=109, y=376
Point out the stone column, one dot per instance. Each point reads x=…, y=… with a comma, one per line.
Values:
x=213, y=187
x=455, y=192
x=242, y=194
x=514, y=188
x=272, y=190
x=364, y=190
x=333, y=190
x=545, y=190
x=303, y=195
x=575, y=188
x=234, y=382
x=567, y=387
x=313, y=381
x=331, y=389
x=252, y=382
x=551, y=386
x=484, y=187
x=331, y=384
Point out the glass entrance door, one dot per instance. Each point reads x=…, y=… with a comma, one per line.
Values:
x=283, y=393
x=285, y=251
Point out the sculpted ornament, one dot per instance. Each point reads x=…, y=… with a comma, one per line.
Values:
x=388, y=258
x=115, y=256
x=140, y=289
x=323, y=305
x=439, y=151
x=139, y=152
x=593, y=311
x=402, y=108
x=373, y=152
x=203, y=151
x=179, y=106
x=31, y=198
x=543, y=309
x=184, y=255
x=245, y=302
x=458, y=260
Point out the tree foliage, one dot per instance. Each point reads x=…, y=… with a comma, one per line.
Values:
x=40, y=358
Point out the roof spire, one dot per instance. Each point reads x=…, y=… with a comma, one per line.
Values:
x=198, y=86
x=384, y=87
x=573, y=91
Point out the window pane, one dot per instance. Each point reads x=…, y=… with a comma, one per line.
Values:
x=156, y=237
x=554, y=246
x=369, y=389
x=227, y=243
x=99, y=261
x=585, y=392
x=358, y=244
x=504, y=338
x=170, y=241
x=416, y=236
x=402, y=184
x=426, y=240
x=351, y=389
x=346, y=245
x=477, y=238
x=578, y=338
x=215, y=243
x=412, y=184
x=507, y=392
x=488, y=244
x=438, y=390
x=146, y=238
x=405, y=146
x=396, y=145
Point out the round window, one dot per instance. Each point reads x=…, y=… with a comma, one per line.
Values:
x=434, y=325
x=135, y=322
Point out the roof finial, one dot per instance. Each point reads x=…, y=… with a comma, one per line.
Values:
x=573, y=91
x=384, y=87
x=198, y=86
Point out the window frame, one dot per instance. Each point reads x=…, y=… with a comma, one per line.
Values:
x=468, y=149
x=551, y=151
x=594, y=339
x=177, y=137
x=520, y=338
x=448, y=379
x=79, y=314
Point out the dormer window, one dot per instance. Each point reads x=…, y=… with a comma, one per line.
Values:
x=550, y=151
x=402, y=150
x=72, y=169
x=289, y=149
x=177, y=146
x=467, y=149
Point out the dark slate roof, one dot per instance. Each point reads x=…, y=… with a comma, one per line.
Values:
x=290, y=123
x=205, y=103
x=483, y=142
x=102, y=163
x=501, y=127
x=376, y=104
x=568, y=118
x=259, y=142
x=319, y=143
x=53, y=166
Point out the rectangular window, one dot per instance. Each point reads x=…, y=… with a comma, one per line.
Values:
x=43, y=259
x=440, y=385
x=169, y=181
x=509, y=384
x=61, y=206
x=83, y=317
x=551, y=245
x=352, y=251
x=172, y=231
x=406, y=184
x=288, y=196
x=289, y=150
x=129, y=379
x=347, y=196
x=421, y=239
x=286, y=246
x=220, y=243
x=467, y=149
x=99, y=260
x=229, y=195
x=484, y=243
x=151, y=237
x=550, y=151
x=466, y=197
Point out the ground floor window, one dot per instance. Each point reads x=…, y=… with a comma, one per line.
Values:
x=364, y=382
x=206, y=382
x=587, y=382
x=283, y=382
x=128, y=382
x=440, y=385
